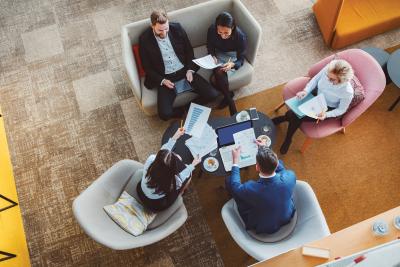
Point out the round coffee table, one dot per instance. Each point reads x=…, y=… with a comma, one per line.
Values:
x=215, y=122
x=393, y=67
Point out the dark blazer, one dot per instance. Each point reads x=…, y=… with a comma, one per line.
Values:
x=150, y=53
x=266, y=204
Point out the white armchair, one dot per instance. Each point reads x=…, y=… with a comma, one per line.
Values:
x=88, y=209
x=195, y=20
x=311, y=225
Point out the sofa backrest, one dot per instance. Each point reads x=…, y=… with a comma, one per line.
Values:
x=196, y=20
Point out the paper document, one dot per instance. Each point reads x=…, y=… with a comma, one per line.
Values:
x=196, y=119
x=248, y=152
x=246, y=140
x=204, y=144
x=294, y=103
x=206, y=62
x=314, y=106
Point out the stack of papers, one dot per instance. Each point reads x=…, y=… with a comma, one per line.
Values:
x=204, y=144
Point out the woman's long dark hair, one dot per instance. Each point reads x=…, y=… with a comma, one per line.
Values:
x=161, y=173
x=225, y=19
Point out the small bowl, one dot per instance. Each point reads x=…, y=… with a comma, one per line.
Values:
x=242, y=116
x=266, y=141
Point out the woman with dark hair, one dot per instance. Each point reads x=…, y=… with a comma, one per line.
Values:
x=165, y=176
x=227, y=44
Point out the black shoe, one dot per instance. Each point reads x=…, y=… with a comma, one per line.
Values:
x=285, y=147
x=279, y=120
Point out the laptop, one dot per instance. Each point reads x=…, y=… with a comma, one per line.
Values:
x=226, y=142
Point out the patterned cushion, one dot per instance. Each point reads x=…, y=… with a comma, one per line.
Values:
x=129, y=214
x=359, y=92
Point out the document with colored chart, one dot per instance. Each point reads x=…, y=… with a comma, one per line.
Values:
x=315, y=106
x=196, y=120
x=246, y=140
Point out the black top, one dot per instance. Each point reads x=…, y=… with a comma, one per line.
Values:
x=236, y=42
x=151, y=57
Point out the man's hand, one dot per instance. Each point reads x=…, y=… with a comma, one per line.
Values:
x=259, y=142
x=167, y=83
x=196, y=160
x=301, y=94
x=236, y=155
x=228, y=66
x=322, y=116
x=189, y=76
x=178, y=133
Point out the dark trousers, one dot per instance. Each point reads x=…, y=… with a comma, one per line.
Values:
x=222, y=85
x=167, y=96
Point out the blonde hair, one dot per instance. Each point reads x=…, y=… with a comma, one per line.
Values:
x=342, y=69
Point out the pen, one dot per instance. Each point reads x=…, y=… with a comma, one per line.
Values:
x=181, y=125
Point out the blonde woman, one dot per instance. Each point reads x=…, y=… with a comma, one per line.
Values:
x=334, y=82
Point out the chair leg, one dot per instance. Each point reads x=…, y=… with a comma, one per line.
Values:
x=394, y=104
x=279, y=106
x=306, y=144
x=343, y=130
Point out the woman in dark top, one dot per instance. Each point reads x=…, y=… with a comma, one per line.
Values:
x=227, y=44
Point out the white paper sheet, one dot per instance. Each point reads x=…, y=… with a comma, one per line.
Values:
x=204, y=144
x=196, y=119
x=206, y=62
x=314, y=106
x=246, y=140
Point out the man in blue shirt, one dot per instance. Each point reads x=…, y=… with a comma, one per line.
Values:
x=266, y=204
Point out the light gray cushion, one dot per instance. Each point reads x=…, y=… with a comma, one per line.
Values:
x=162, y=216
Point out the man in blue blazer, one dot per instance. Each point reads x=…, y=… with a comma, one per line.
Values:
x=266, y=204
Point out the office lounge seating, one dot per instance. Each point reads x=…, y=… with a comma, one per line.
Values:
x=371, y=76
x=195, y=20
x=346, y=22
x=311, y=225
x=88, y=209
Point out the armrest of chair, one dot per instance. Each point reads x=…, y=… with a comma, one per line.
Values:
x=114, y=179
x=130, y=64
x=251, y=28
x=319, y=66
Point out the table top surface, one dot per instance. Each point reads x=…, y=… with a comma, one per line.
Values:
x=348, y=241
x=379, y=54
x=393, y=67
x=215, y=122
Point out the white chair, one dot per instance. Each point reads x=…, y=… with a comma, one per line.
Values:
x=88, y=209
x=311, y=225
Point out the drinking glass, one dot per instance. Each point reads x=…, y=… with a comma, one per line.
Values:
x=266, y=129
x=380, y=228
x=213, y=152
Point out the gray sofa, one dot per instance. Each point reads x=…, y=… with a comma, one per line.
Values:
x=195, y=20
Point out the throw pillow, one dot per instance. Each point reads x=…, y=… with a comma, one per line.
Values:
x=359, y=92
x=129, y=214
x=138, y=60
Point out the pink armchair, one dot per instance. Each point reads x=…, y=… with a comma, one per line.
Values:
x=371, y=76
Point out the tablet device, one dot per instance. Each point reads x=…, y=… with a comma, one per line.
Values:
x=225, y=133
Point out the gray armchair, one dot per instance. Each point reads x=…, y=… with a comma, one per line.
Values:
x=195, y=20
x=311, y=225
x=88, y=209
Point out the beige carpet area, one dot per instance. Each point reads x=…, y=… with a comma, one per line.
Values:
x=70, y=114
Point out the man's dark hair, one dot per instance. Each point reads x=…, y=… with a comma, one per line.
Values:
x=158, y=16
x=266, y=159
